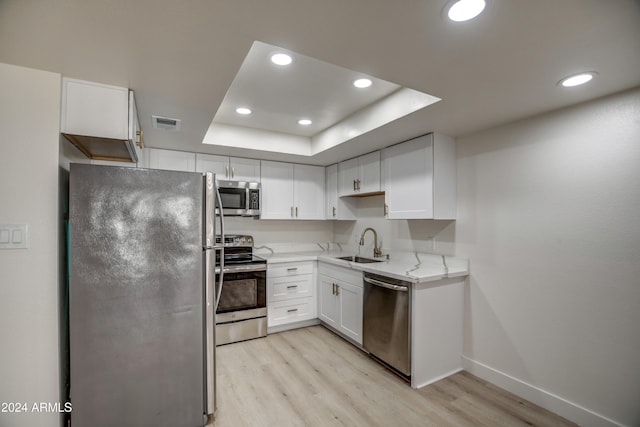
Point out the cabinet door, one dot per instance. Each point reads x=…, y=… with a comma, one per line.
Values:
x=409, y=186
x=242, y=169
x=369, y=173
x=347, y=176
x=337, y=207
x=211, y=163
x=172, y=160
x=277, y=190
x=331, y=192
x=283, y=288
x=291, y=311
x=351, y=311
x=308, y=192
x=328, y=302
x=94, y=109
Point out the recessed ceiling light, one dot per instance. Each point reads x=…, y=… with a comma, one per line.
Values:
x=577, y=79
x=463, y=10
x=304, y=122
x=281, y=59
x=243, y=110
x=362, y=83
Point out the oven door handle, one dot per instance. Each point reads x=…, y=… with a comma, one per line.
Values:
x=242, y=268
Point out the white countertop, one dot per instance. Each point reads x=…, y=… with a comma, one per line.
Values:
x=413, y=267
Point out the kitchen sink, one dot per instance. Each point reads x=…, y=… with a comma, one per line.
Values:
x=358, y=259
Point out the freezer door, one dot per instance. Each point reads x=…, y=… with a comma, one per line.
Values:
x=136, y=297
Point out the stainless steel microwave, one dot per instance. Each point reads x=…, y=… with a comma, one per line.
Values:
x=240, y=198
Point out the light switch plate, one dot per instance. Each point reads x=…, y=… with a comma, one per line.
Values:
x=13, y=236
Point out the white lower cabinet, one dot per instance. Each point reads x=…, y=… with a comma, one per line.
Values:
x=340, y=300
x=291, y=295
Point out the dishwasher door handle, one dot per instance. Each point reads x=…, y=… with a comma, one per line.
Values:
x=386, y=285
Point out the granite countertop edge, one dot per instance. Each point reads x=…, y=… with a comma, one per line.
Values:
x=416, y=268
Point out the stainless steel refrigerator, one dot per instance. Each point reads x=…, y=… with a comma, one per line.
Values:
x=142, y=296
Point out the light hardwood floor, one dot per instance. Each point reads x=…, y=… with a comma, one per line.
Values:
x=311, y=377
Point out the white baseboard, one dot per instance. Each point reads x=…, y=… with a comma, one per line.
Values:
x=289, y=326
x=436, y=379
x=556, y=404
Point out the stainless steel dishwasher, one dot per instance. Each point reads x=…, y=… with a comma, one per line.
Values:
x=387, y=321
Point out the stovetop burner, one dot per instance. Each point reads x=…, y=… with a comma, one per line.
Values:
x=238, y=249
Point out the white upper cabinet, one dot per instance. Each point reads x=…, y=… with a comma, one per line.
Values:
x=292, y=191
x=171, y=160
x=212, y=163
x=337, y=207
x=420, y=178
x=100, y=120
x=359, y=176
x=93, y=109
x=229, y=168
x=277, y=190
x=308, y=190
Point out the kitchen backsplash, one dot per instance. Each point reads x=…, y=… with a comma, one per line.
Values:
x=399, y=235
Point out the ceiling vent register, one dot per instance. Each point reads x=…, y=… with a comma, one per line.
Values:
x=165, y=123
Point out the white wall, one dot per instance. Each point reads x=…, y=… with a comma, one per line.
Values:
x=549, y=215
x=29, y=119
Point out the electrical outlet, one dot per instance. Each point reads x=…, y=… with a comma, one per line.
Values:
x=431, y=244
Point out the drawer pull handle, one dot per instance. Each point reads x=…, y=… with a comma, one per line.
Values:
x=292, y=269
x=292, y=310
x=292, y=286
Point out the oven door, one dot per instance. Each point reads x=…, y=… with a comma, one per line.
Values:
x=243, y=294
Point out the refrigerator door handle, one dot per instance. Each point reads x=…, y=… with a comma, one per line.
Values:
x=213, y=289
x=221, y=247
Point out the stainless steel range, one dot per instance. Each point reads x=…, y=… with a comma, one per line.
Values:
x=242, y=309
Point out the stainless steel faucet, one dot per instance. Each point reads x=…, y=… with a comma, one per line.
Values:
x=376, y=250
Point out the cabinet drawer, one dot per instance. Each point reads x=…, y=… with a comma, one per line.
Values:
x=284, y=288
x=289, y=311
x=289, y=269
x=341, y=273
